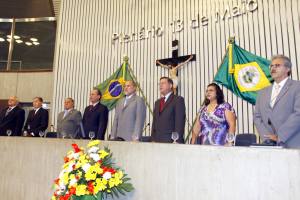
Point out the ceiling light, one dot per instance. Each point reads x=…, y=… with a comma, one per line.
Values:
x=19, y=41
x=33, y=39
x=17, y=37
x=8, y=36
x=8, y=40
x=28, y=43
x=36, y=43
x=2, y=39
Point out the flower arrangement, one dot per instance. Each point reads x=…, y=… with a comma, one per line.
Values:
x=90, y=175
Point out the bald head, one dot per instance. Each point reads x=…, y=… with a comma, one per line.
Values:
x=13, y=101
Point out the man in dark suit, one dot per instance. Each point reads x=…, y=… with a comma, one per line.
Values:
x=37, y=120
x=95, y=116
x=169, y=114
x=12, y=118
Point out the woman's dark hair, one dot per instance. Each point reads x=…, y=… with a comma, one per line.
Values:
x=219, y=94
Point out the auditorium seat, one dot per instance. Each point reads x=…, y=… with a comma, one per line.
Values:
x=245, y=139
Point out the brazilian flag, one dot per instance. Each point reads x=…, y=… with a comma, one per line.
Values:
x=243, y=72
x=112, y=89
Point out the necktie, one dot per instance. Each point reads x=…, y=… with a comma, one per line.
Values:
x=65, y=114
x=162, y=104
x=8, y=111
x=275, y=93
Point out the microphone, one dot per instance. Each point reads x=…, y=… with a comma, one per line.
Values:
x=146, y=127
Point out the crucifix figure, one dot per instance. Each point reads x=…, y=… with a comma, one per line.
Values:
x=174, y=63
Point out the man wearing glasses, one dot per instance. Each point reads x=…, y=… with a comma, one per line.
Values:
x=277, y=109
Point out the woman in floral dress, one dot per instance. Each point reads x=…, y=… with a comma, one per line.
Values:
x=216, y=119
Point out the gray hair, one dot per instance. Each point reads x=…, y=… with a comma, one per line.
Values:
x=287, y=60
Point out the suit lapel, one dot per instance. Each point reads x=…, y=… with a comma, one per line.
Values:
x=128, y=101
x=9, y=114
x=283, y=91
x=268, y=97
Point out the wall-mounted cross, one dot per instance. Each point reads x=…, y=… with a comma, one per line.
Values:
x=174, y=63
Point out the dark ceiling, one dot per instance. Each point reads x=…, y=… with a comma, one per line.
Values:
x=26, y=8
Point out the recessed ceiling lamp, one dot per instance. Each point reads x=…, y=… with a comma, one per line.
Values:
x=19, y=41
x=33, y=39
x=36, y=43
x=17, y=37
x=28, y=43
x=8, y=40
x=2, y=39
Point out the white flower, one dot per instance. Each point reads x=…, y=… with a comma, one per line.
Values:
x=95, y=157
x=107, y=175
x=86, y=167
x=62, y=186
x=70, y=167
x=93, y=150
x=73, y=181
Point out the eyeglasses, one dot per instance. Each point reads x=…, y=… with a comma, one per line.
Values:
x=275, y=66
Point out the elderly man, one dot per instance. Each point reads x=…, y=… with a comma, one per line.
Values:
x=95, y=117
x=130, y=115
x=68, y=121
x=277, y=109
x=12, y=118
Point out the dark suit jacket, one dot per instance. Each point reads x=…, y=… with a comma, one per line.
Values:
x=37, y=122
x=13, y=121
x=95, y=119
x=171, y=119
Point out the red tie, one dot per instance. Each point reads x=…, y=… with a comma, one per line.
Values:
x=162, y=104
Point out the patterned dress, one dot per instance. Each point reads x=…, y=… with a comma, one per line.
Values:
x=214, y=127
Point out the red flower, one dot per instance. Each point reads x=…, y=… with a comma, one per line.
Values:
x=66, y=197
x=76, y=148
x=56, y=181
x=107, y=169
x=66, y=159
x=72, y=190
x=90, y=187
x=73, y=166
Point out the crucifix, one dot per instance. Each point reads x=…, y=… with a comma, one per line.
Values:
x=174, y=63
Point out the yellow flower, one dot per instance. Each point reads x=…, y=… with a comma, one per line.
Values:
x=111, y=182
x=100, y=185
x=94, y=143
x=119, y=175
x=103, y=154
x=65, y=178
x=92, y=172
x=81, y=190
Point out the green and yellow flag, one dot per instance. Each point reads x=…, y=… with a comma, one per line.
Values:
x=112, y=89
x=243, y=72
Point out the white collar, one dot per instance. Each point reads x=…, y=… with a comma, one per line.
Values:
x=11, y=108
x=68, y=110
x=167, y=96
x=36, y=109
x=94, y=104
x=128, y=97
x=282, y=83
